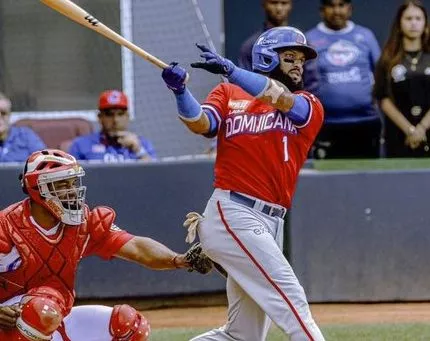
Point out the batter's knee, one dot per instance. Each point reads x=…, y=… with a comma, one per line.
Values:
x=126, y=324
x=42, y=313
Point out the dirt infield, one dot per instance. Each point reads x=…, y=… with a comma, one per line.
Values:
x=323, y=313
x=211, y=310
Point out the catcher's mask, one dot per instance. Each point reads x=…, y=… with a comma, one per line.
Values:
x=53, y=179
x=265, y=56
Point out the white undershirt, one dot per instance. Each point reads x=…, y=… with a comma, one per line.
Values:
x=52, y=231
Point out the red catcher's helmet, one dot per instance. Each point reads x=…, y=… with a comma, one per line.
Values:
x=43, y=172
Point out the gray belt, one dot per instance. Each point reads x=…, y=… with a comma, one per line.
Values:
x=267, y=209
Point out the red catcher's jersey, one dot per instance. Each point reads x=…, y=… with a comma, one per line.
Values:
x=52, y=261
x=260, y=150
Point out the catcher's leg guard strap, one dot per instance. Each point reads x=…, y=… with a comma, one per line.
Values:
x=126, y=324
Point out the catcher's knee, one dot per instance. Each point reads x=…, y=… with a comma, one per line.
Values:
x=42, y=313
x=126, y=324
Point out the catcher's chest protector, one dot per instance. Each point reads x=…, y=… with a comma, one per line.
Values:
x=43, y=262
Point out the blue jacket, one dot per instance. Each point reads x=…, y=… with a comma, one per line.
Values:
x=20, y=143
x=95, y=147
x=342, y=75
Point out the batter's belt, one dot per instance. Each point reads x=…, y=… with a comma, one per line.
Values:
x=270, y=210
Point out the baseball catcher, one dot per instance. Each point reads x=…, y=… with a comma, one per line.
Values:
x=51, y=225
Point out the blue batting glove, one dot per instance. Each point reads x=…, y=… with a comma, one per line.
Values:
x=213, y=62
x=175, y=77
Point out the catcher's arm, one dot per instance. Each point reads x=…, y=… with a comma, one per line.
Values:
x=151, y=254
x=157, y=256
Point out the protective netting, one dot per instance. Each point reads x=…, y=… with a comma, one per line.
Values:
x=49, y=63
x=169, y=30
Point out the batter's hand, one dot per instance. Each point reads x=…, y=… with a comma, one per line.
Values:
x=175, y=77
x=8, y=316
x=213, y=62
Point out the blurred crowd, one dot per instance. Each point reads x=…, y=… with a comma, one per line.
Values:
x=376, y=101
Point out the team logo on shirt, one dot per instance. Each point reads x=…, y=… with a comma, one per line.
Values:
x=238, y=106
x=98, y=148
x=342, y=53
x=358, y=37
x=256, y=124
x=398, y=73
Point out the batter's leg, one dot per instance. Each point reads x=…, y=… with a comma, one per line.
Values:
x=243, y=315
x=242, y=240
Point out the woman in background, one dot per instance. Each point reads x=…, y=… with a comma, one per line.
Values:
x=402, y=83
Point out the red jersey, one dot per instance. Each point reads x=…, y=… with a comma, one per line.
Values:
x=30, y=259
x=260, y=150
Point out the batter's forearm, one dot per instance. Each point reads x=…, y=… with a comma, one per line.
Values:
x=191, y=113
x=201, y=126
x=265, y=89
x=151, y=254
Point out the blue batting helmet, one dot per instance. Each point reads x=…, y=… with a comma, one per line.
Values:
x=264, y=55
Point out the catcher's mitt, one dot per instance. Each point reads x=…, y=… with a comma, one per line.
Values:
x=198, y=260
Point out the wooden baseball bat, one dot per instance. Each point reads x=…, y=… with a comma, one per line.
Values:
x=77, y=14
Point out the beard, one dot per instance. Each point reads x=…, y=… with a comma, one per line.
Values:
x=279, y=75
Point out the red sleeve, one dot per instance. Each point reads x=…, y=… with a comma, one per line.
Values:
x=5, y=240
x=316, y=117
x=105, y=237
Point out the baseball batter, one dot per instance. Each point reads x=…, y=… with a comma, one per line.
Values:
x=42, y=240
x=265, y=125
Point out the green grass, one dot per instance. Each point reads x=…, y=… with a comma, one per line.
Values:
x=377, y=332
x=352, y=164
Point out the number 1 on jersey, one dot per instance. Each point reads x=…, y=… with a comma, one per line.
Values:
x=285, y=142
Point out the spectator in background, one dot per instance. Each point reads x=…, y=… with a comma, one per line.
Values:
x=276, y=12
x=402, y=85
x=16, y=143
x=113, y=143
x=342, y=77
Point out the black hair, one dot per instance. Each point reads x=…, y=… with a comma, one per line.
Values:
x=329, y=2
x=21, y=178
x=278, y=75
